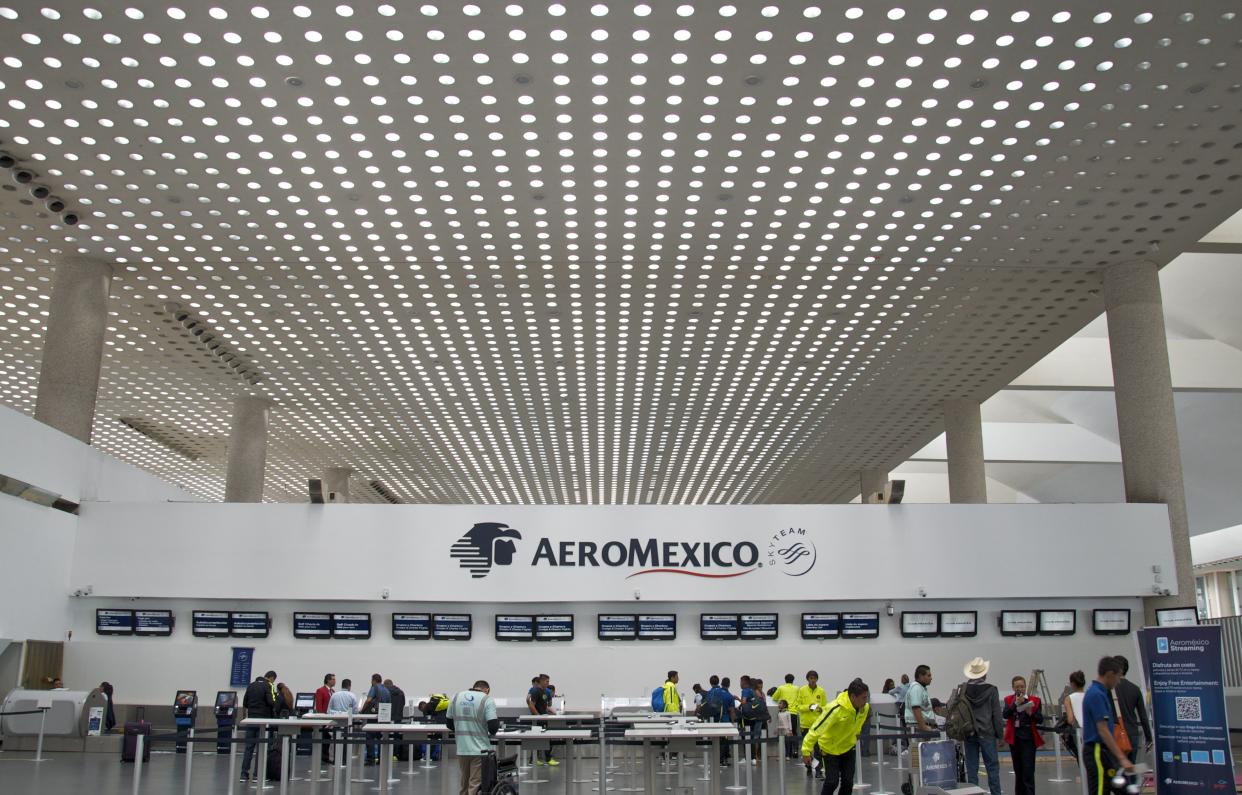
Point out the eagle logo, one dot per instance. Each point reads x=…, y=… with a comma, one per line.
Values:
x=484, y=545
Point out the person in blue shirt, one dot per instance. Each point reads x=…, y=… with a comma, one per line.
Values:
x=725, y=706
x=378, y=694
x=1100, y=754
x=539, y=702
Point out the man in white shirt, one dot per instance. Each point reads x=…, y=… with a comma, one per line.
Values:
x=919, y=715
x=343, y=702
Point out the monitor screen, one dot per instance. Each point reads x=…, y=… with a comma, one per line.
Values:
x=226, y=699
x=959, y=624
x=758, y=626
x=249, y=625
x=657, y=627
x=718, y=626
x=457, y=626
x=1019, y=623
x=114, y=622
x=351, y=626
x=304, y=701
x=411, y=626
x=1058, y=622
x=554, y=628
x=185, y=699
x=1110, y=621
x=515, y=627
x=312, y=625
x=919, y=625
x=818, y=626
x=209, y=624
x=860, y=626
x=1177, y=617
x=153, y=623
x=617, y=627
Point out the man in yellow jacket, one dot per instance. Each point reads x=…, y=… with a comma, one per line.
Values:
x=672, y=701
x=788, y=693
x=835, y=732
x=812, y=700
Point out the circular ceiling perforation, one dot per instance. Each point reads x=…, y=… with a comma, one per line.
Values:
x=595, y=252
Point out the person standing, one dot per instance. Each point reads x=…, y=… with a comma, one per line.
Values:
x=1022, y=714
x=260, y=702
x=343, y=701
x=539, y=702
x=378, y=694
x=755, y=716
x=1131, y=709
x=1072, y=706
x=1100, y=755
x=918, y=704
x=672, y=699
x=401, y=751
x=472, y=717
x=985, y=708
x=834, y=733
x=788, y=693
x=322, y=696
x=812, y=700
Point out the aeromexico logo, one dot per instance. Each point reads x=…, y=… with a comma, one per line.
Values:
x=490, y=544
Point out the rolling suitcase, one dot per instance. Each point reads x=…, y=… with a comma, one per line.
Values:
x=129, y=746
x=274, y=772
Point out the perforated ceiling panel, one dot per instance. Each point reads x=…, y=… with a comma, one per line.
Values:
x=594, y=253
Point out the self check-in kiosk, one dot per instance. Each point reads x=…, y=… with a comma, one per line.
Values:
x=226, y=714
x=185, y=706
x=302, y=704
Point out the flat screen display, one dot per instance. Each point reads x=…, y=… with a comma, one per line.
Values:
x=959, y=624
x=304, y=701
x=617, y=627
x=758, y=626
x=209, y=624
x=1019, y=623
x=226, y=699
x=1110, y=622
x=554, y=628
x=249, y=625
x=860, y=626
x=1058, y=622
x=818, y=626
x=455, y=626
x=114, y=622
x=411, y=626
x=719, y=626
x=920, y=625
x=515, y=628
x=315, y=626
x=1177, y=617
x=153, y=623
x=351, y=626
x=657, y=627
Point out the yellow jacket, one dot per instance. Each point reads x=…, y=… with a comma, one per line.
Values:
x=837, y=729
x=789, y=694
x=806, y=697
x=672, y=701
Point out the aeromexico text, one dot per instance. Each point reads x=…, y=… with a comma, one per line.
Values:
x=647, y=553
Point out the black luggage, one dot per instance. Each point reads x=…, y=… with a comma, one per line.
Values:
x=274, y=763
x=129, y=746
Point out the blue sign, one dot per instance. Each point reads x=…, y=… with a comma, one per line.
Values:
x=938, y=764
x=1184, y=674
x=243, y=665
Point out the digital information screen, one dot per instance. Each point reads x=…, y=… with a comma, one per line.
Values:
x=1019, y=623
x=1177, y=617
x=456, y=626
x=920, y=625
x=1110, y=622
x=959, y=624
x=818, y=626
x=351, y=626
x=860, y=626
x=617, y=627
x=554, y=628
x=758, y=626
x=718, y=626
x=114, y=622
x=249, y=625
x=1058, y=622
x=312, y=625
x=304, y=702
x=209, y=624
x=515, y=627
x=411, y=626
x=657, y=627
x=153, y=623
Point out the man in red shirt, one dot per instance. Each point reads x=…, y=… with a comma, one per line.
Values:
x=322, y=696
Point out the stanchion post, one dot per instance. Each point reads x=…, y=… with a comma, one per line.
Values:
x=857, y=767
x=139, y=747
x=189, y=760
x=780, y=765
x=750, y=769
x=232, y=758
x=603, y=758
x=42, y=724
x=737, y=782
x=879, y=780
x=286, y=764
x=1060, y=779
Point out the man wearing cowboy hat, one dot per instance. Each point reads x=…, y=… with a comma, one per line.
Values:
x=985, y=706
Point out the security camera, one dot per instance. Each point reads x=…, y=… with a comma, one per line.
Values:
x=23, y=176
x=55, y=204
x=888, y=608
x=384, y=594
x=70, y=219
x=922, y=592
x=638, y=594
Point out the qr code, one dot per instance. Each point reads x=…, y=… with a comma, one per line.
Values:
x=1189, y=708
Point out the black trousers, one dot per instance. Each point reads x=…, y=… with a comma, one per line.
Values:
x=838, y=770
x=1023, y=754
x=1100, y=768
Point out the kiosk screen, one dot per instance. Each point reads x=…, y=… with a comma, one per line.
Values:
x=304, y=701
x=617, y=627
x=452, y=627
x=226, y=699
x=153, y=623
x=312, y=625
x=554, y=627
x=114, y=622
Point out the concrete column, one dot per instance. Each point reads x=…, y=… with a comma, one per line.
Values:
x=73, y=346
x=963, y=431
x=871, y=481
x=1151, y=460
x=247, y=450
x=336, y=479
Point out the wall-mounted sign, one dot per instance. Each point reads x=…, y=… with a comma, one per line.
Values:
x=718, y=626
x=209, y=624
x=250, y=624
x=455, y=626
x=919, y=625
x=411, y=626
x=114, y=622
x=1058, y=622
x=153, y=623
x=1110, y=622
x=554, y=628
x=819, y=626
x=312, y=626
x=351, y=626
x=959, y=624
x=662, y=626
x=515, y=628
x=1177, y=617
x=1019, y=623
x=758, y=626
x=617, y=627
x=860, y=626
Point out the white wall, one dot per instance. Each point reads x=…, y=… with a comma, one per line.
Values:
x=150, y=670
x=36, y=548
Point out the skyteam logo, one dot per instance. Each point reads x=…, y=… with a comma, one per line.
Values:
x=484, y=545
x=792, y=551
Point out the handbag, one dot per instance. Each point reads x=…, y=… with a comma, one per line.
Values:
x=1120, y=734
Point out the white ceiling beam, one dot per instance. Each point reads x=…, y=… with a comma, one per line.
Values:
x=1043, y=442
x=1083, y=364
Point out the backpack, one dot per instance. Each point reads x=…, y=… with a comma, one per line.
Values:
x=714, y=705
x=657, y=699
x=959, y=721
x=755, y=709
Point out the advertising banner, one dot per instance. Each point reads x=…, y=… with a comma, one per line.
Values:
x=1184, y=673
x=938, y=764
x=240, y=670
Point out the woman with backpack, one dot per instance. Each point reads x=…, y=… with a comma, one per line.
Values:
x=754, y=714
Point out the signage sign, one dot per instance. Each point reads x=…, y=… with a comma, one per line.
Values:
x=315, y=626
x=758, y=626
x=351, y=626
x=452, y=626
x=617, y=627
x=860, y=625
x=959, y=624
x=657, y=627
x=411, y=626
x=241, y=666
x=114, y=622
x=818, y=626
x=919, y=625
x=938, y=764
x=153, y=623
x=1019, y=623
x=554, y=628
x=515, y=627
x=1184, y=671
x=249, y=625
x=718, y=626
